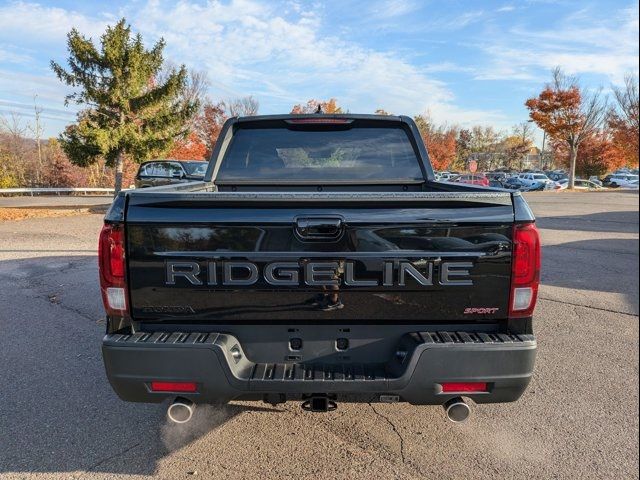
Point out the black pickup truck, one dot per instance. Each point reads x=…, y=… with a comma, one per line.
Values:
x=319, y=261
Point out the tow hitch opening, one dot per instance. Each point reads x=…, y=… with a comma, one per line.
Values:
x=319, y=403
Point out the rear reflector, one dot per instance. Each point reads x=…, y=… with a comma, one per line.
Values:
x=464, y=387
x=522, y=298
x=116, y=298
x=183, y=387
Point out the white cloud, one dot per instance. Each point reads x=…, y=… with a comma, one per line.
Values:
x=457, y=22
x=262, y=49
x=13, y=55
x=18, y=91
x=26, y=110
x=32, y=21
x=446, y=67
x=580, y=44
x=455, y=115
x=250, y=46
x=25, y=85
x=387, y=9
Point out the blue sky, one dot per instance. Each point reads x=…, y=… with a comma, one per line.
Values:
x=464, y=62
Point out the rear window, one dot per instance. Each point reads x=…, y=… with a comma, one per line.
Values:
x=197, y=169
x=355, y=154
x=540, y=177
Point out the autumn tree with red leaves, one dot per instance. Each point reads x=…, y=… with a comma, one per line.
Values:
x=208, y=124
x=623, y=120
x=60, y=172
x=190, y=148
x=568, y=114
x=440, y=141
x=597, y=155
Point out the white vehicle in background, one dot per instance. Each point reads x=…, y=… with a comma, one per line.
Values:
x=448, y=177
x=453, y=177
x=595, y=179
x=623, y=180
x=531, y=179
x=580, y=184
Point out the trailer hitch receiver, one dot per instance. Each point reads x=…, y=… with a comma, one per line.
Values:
x=319, y=403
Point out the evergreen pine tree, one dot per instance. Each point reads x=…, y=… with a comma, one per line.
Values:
x=128, y=111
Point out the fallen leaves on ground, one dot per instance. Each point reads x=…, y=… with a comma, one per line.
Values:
x=24, y=213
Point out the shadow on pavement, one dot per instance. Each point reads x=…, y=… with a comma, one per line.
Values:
x=624, y=221
x=58, y=412
x=598, y=265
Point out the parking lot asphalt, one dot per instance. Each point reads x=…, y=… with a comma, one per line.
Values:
x=59, y=417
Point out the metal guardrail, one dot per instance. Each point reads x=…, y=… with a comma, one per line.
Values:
x=54, y=191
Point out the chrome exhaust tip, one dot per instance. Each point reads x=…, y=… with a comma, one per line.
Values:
x=181, y=410
x=457, y=410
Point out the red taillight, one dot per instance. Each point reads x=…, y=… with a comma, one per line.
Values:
x=525, y=273
x=111, y=264
x=464, y=387
x=183, y=387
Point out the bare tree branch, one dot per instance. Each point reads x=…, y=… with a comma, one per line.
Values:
x=627, y=103
x=241, y=107
x=594, y=110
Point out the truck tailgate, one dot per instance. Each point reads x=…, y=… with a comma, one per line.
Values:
x=208, y=257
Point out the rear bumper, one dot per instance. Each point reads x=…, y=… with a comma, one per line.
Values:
x=217, y=363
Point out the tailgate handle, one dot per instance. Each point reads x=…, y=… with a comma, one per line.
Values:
x=319, y=228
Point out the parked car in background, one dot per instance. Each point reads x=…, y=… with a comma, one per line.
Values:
x=621, y=180
x=532, y=180
x=513, y=183
x=557, y=176
x=447, y=176
x=538, y=186
x=580, y=184
x=595, y=179
x=442, y=176
x=474, y=179
x=165, y=172
x=497, y=177
x=606, y=180
x=631, y=186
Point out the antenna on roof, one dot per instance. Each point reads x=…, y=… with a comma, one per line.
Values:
x=319, y=109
